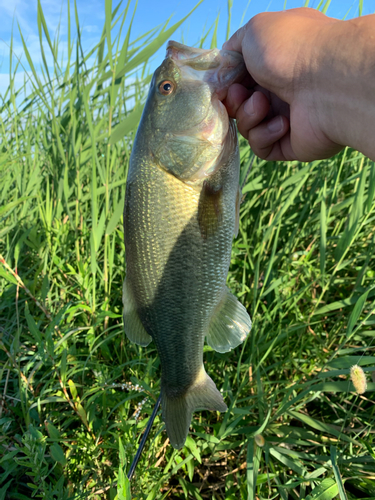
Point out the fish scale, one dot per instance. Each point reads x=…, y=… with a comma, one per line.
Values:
x=178, y=235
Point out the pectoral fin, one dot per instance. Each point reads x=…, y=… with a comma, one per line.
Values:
x=210, y=209
x=132, y=324
x=230, y=324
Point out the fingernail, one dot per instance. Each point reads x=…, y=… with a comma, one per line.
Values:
x=249, y=106
x=275, y=125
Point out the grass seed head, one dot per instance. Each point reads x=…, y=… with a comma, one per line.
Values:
x=358, y=378
x=259, y=439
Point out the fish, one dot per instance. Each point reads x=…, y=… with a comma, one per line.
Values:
x=181, y=212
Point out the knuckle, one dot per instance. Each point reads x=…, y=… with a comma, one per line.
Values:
x=257, y=19
x=261, y=152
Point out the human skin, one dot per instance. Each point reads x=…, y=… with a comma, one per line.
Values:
x=310, y=88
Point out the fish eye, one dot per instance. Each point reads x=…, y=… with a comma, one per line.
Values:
x=166, y=87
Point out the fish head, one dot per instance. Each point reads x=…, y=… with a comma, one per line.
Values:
x=187, y=121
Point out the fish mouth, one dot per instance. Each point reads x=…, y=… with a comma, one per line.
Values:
x=218, y=68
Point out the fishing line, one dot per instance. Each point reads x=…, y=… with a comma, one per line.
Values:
x=143, y=440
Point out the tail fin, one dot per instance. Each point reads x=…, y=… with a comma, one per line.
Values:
x=178, y=411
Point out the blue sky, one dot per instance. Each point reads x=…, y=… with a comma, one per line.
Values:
x=149, y=14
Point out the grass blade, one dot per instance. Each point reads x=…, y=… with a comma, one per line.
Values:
x=323, y=230
x=336, y=471
x=325, y=491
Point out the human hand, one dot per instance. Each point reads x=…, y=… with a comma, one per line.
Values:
x=278, y=106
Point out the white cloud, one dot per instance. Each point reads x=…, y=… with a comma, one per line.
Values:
x=90, y=28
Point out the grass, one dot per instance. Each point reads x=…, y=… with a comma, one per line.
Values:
x=71, y=383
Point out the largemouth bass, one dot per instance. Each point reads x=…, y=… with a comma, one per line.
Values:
x=181, y=212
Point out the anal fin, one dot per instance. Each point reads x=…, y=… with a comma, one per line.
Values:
x=133, y=327
x=230, y=324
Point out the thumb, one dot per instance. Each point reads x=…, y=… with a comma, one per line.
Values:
x=235, y=41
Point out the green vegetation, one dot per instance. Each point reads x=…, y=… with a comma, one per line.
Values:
x=71, y=383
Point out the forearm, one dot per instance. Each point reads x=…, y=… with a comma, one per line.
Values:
x=343, y=89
